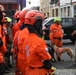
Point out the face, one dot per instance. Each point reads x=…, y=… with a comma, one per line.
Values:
x=57, y=22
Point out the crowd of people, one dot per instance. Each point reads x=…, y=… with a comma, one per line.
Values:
x=28, y=47
x=5, y=42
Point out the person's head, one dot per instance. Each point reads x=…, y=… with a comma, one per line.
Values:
x=1, y=13
x=1, y=8
x=33, y=20
x=8, y=21
x=22, y=14
x=16, y=15
x=2, y=17
x=57, y=20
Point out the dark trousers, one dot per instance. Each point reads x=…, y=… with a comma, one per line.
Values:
x=2, y=69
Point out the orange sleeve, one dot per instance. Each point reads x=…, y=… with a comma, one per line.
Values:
x=0, y=31
x=1, y=58
x=4, y=40
x=15, y=40
x=42, y=51
x=3, y=49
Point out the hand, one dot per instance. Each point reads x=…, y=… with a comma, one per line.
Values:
x=52, y=70
x=74, y=33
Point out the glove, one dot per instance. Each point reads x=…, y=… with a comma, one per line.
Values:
x=51, y=71
x=47, y=64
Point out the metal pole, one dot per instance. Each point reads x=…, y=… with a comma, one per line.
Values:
x=21, y=4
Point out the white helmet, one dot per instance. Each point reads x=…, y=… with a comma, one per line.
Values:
x=1, y=8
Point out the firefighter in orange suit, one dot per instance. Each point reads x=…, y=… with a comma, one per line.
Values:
x=16, y=26
x=2, y=40
x=35, y=49
x=56, y=33
x=21, y=38
x=15, y=33
x=3, y=50
x=18, y=42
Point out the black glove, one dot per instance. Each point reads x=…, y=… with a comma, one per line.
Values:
x=47, y=64
x=51, y=51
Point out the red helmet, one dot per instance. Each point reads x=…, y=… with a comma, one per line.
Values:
x=23, y=13
x=16, y=15
x=32, y=16
x=1, y=8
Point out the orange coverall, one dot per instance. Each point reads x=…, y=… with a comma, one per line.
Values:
x=15, y=50
x=18, y=42
x=2, y=48
x=23, y=34
x=36, y=51
x=16, y=27
x=1, y=58
x=56, y=34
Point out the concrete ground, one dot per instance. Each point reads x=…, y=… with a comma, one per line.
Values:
x=58, y=72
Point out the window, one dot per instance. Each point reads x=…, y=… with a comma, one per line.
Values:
x=68, y=11
x=57, y=12
x=67, y=22
x=52, y=12
x=53, y=1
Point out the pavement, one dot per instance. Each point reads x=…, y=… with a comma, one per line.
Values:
x=65, y=72
x=59, y=72
x=62, y=68
x=65, y=68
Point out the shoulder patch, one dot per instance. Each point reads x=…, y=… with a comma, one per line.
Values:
x=46, y=49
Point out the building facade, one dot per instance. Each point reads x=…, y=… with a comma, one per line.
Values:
x=9, y=4
x=62, y=8
x=44, y=7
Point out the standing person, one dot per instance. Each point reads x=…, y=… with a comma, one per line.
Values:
x=21, y=38
x=35, y=49
x=18, y=42
x=17, y=25
x=56, y=33
x=8, y=39
x=3, y=50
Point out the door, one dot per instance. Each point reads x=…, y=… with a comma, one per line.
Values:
x=68, y=27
